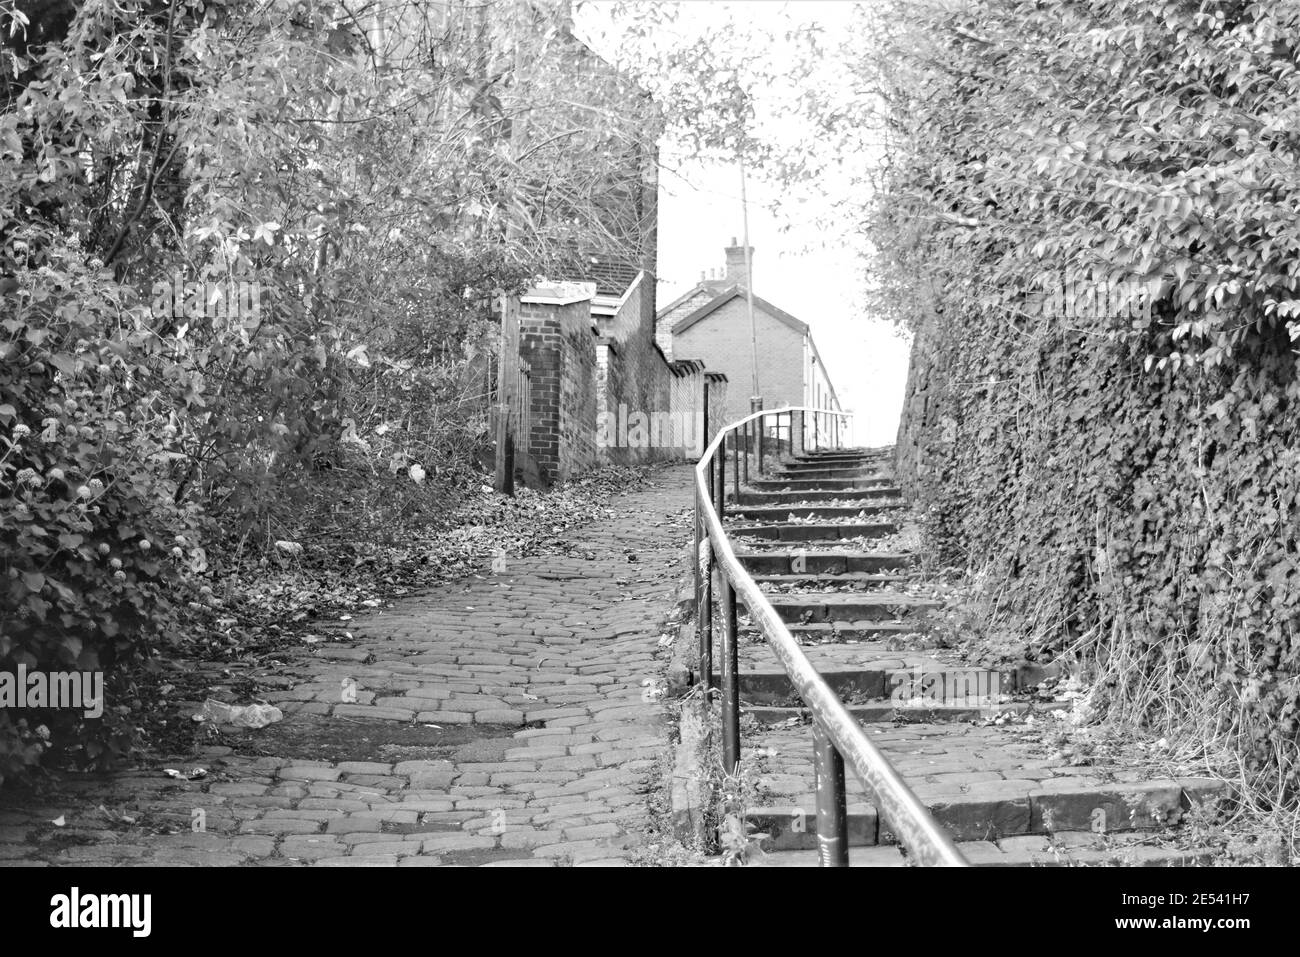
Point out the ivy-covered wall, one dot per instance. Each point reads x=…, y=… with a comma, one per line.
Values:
x=1120, y=513
x=1088, y=224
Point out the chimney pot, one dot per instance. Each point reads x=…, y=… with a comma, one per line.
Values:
x=737, y=273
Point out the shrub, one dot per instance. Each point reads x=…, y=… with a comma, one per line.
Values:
x=92, y=545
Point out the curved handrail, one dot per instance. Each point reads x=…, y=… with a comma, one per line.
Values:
x=911, y=820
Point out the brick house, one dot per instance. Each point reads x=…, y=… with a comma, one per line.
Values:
x=711, y=322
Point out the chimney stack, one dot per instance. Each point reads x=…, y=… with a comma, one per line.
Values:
x=737, y=274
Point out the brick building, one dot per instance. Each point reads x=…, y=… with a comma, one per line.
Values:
x=711, y=322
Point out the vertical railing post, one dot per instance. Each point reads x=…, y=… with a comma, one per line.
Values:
x=704, y=605
x=730, y=678
x=699, y=532
x=735, y=467
x=719, y=488
x=832, y=812
x=746, y=455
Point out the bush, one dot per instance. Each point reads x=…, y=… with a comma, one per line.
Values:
x=92, y=546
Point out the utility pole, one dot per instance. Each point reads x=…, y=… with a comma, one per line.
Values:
x=749, y=282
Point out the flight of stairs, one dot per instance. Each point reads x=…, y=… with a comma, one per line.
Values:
x=821, y=535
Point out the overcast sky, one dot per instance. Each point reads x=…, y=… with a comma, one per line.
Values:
x=803, y=269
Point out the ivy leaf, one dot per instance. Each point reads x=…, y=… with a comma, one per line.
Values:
x=266, y=233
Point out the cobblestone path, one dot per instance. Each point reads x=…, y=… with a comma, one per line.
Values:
x=534, y=685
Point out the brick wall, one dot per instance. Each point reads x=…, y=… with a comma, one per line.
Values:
x=578, y=383
x=557, y=347
x=604, y=393
x=664, y=327
x=723, y=342
x=537, y=448
x=641, y=421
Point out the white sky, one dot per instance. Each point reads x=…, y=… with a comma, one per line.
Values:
x=807, y=271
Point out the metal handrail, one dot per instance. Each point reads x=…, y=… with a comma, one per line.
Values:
x=838, y=738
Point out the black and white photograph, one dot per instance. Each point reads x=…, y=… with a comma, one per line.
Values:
x=708, y=434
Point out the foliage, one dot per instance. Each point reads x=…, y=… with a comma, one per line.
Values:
x=1125, y=465
x=248, y=259
x=91, y=544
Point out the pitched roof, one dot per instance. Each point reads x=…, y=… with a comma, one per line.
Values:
x=736, y=292
x=612, y=278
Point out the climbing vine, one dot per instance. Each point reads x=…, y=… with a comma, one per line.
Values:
x=1086, y=218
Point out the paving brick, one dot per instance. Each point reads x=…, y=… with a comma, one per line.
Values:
x=568, y=652
x=443, y=843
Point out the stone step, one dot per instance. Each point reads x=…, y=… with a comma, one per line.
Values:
x=997, y=813
x=981, y=782
x=823, y=561
x=868, y=671
x=813, y=471
x=818, y=495
x=815, y=633
x=781, y=513
x=1067, y=849
x=877, y=677
x=885, y=711
x=820, y=455
x=866, y=579
x=814, y=531
x=834, y=461
x=806, y=484
x=839, y=607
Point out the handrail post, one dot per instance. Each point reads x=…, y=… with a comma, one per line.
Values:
x=699, y=535
x=704, y=604
x=832, y=810
x=747, y=449
x=725, y=592
x=730, y=678
x=719, y=488
x=735, y=466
